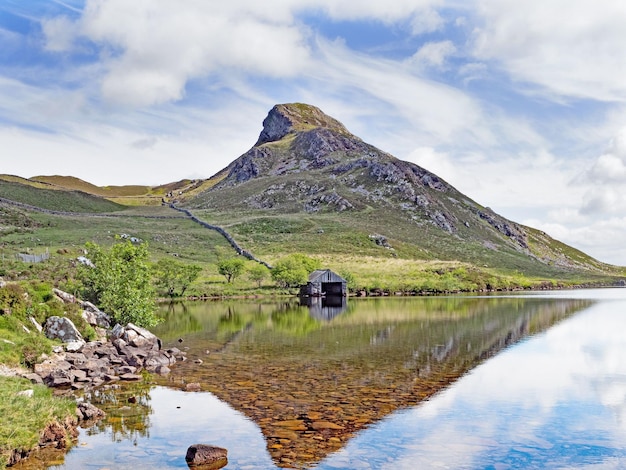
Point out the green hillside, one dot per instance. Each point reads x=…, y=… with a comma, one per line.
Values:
x=55, y=199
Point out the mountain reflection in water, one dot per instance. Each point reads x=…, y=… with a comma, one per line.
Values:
x=311, y=384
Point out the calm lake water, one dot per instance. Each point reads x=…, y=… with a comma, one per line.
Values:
x=535, y=380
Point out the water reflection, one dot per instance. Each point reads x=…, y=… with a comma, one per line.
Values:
x=177, y=420
x=311, y=385
x=325, y=308
x=558, y=401
x=128, y=412
x=285, y=389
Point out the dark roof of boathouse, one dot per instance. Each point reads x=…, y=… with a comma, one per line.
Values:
x=325, y=275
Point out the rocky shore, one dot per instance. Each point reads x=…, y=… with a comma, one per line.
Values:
x=121, y=354
x=125, y=353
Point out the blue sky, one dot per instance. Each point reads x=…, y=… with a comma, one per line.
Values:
x=520, y=105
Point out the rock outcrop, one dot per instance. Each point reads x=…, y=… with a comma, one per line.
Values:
x=92, y=314
x=284, y=119
x=122, y=353
x=131, y=350
x=61, y=328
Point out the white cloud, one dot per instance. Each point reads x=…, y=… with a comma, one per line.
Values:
x=433, y=54
x=9, y=38
x=427, y=22
x=605, y=181
x=436, y=112
x=126, y=149
x=503, y=184
x=570, y=49
x=156, y=47
x=151, y=49
x=610, y=168
x=38, y=107
x=603, y=200
x=59, y=33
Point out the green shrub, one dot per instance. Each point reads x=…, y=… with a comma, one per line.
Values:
x=14, y=301
x=121, y=283
x=33, y=346
x=40, y=291
x=231, y=268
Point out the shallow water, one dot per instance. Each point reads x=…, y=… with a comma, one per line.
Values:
x=518, y=381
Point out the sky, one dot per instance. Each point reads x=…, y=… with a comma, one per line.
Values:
x=519, y=105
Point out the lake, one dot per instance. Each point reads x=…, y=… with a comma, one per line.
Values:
x=531, y=380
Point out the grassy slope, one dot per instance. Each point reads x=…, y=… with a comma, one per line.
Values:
x=179, y=236
x=341, y=240
x=57, y=200
x=328, y=232
x=130, y=195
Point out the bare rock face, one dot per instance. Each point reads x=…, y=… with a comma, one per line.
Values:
x=94, y=316
x=206, y=456
x=286, y=118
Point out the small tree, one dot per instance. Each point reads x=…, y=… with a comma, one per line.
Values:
x=231, y=268
x=175, y=277
x=293, y=270
x=258, y=273
x=120, y=283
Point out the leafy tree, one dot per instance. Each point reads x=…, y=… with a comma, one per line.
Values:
x=293, y=270
x=258, y=273
x=120, y=282
x=231, y=268
x=175, y=277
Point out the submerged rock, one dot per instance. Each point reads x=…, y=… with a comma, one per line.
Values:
x=86, y=411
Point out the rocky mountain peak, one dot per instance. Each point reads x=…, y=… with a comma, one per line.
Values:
x=284, y=119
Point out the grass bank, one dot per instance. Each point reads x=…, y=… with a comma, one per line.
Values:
x=23, y=418
x=27, y=417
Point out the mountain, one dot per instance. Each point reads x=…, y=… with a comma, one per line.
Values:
x=308, y=185
x=311, y=185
